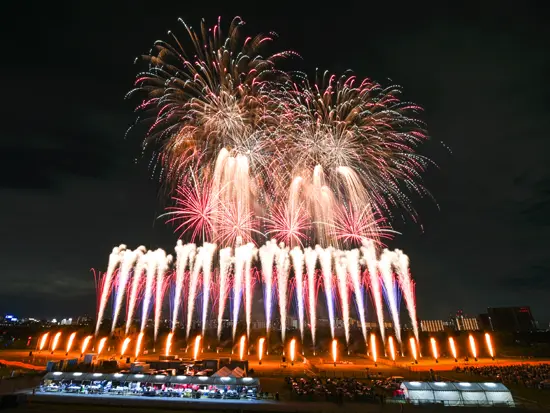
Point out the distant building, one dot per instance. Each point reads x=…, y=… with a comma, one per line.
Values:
x=432, y=326
x=461, y=322
x=66, y=322
x=512, y=319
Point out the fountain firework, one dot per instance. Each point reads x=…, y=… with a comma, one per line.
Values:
x=390, y=288
x=194, y=272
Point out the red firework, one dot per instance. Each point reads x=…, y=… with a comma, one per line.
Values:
x=353, y=225
x=193, y=209
x=288, y=225
x=234, y=224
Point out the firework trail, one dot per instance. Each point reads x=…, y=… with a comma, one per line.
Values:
x=243, y=257
x=249, y=285
x=163, y=263
x=225, y=268
x=127, y=262
x=325, y=257
x=209, y=250
x=114, y=260
x=385, y=266
x=354, y=271
x=193, y=287
x=345, y=278
x=297, y=256
x=311, y=260
x=341, y=266
x=184, y=253
x=401, y=265
x=136, y=282
x=238, y=276
x=369, y=254
x=283, y=268
x=193, y=208
x=267, y=253
x=151, y=270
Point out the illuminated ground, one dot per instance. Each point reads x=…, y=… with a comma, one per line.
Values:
x=273, y=365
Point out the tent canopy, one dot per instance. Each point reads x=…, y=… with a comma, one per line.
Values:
x=151, y=378
x=457, y=394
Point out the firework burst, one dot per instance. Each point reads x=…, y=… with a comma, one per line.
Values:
x=193, y=209
x=288, y=225
x=323, y=162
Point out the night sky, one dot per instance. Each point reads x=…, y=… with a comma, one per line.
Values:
x=71, y=189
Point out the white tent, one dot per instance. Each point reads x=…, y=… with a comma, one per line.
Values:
x=497, y=393
x=472, y=393
x=457, y=394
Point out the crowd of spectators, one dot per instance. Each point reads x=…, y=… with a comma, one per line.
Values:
x=528, y=375
x=332, y=390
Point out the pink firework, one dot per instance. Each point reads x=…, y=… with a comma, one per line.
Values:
x=235, y=224
x=193, y=209
x=353, y=225
x=288, y=225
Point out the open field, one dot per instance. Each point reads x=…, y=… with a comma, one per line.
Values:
x=272, y=370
